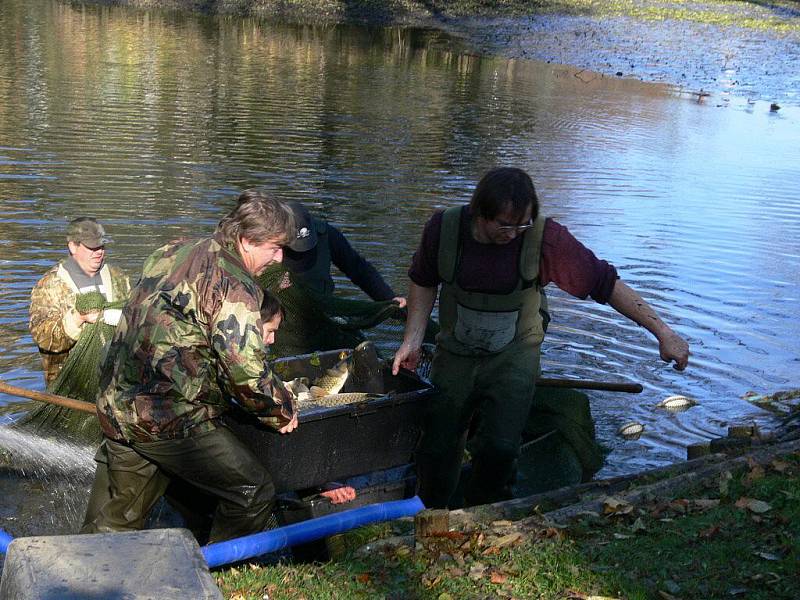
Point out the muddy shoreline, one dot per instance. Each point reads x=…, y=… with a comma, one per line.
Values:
x=737, y=52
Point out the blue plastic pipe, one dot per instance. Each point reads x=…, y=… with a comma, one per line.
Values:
x=5, y=540
x=223, y=553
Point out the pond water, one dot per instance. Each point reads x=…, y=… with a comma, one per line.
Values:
x=153, y=122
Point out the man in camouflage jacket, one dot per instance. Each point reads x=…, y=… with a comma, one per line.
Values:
x=190, y=339
x=55, y=324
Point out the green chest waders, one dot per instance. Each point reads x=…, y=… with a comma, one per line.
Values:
x=486, y=362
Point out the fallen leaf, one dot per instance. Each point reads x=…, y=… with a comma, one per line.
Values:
x=508, y=540
x=638, y=525
x=737, y=591
x=622, y=536
x=666, y=596
x=362, y=578
x=753, y=505
x=550, y=532
x=444, y=596
x=705, y=503
x=502, y=523
x=477, y=570
x=767, y=555
x=756, y=473
x=455, y=572
x=615, y=506
x=708, y=533
x=779, y=466
x=498, y=577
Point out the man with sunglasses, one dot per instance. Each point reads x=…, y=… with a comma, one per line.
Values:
x=55, y=322
x=492, y=260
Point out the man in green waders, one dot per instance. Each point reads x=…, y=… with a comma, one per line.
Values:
x=190, y=344
x=56, y=322
x=492, y=258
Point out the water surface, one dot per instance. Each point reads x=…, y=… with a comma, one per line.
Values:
x=153, y=122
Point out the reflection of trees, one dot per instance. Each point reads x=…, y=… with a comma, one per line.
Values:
x=153, y=121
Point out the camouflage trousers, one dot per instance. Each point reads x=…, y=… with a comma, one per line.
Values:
x=498, y=389
x=131, y=478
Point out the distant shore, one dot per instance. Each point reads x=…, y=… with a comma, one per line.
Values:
x=729, y=50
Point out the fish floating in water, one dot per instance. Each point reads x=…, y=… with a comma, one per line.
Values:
x=676, y=402
x=631, y=431
x=332, y=380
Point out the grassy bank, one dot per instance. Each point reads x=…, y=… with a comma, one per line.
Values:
x=730, y=537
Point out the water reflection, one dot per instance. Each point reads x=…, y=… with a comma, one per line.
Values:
x=154, y=121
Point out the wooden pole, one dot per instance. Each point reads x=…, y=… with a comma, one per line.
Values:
x=587, y=384
x=13, y=390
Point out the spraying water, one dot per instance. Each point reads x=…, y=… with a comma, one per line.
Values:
x=34, y=456
x=45, y=483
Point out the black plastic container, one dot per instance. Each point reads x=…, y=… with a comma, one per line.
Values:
x=334, y=444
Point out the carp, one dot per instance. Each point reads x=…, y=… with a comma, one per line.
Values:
x=631, y=431
x=332, y=380
x=676, y=402
x=340, y=399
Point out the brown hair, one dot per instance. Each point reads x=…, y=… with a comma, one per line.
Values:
x=501, y=188
x=258, y=218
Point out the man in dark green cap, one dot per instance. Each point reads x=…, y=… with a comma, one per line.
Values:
x=55, y=322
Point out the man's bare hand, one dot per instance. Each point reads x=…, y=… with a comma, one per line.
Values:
x=405, y=357
x=290, y=426
x=340, y=495
x=89, y=317
x=673, y=347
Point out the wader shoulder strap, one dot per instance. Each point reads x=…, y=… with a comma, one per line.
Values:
x=449, y=243
x=64, y=276
x=532, y=251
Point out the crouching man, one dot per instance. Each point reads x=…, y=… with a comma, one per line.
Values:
x=189, y=342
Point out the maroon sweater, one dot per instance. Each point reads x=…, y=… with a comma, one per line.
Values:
x=494, y=268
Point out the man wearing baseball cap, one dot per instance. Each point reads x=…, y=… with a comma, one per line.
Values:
x=316, y=245
x=55, y=321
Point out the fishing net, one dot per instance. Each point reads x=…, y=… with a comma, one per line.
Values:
x=79, y=379
x=317, y=322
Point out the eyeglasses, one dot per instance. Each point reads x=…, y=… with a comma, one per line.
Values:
x=515, y=228
x=97, y=250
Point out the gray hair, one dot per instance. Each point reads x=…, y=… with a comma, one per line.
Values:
x=258, y=218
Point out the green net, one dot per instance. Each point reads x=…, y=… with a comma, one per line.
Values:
x=317, y=322
x=79, y=378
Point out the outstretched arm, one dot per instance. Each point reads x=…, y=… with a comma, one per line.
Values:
x=420, y=305
x=357, y=268
x=629, y=303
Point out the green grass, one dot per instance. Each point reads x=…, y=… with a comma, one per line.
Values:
x=700, y=545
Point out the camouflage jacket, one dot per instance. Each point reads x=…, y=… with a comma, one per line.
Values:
x=189, y=343
x=54, y=322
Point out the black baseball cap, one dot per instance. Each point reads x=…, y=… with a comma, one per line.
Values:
x=305, y=237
